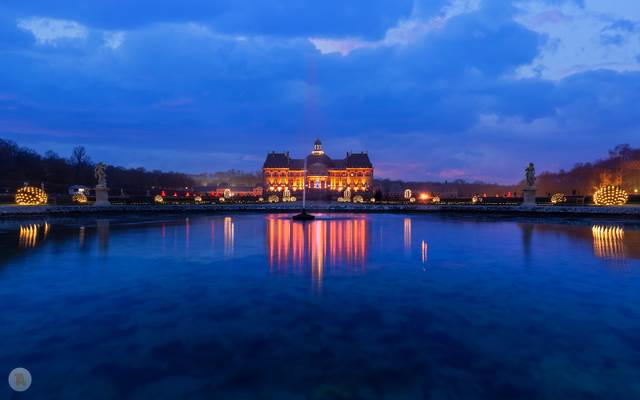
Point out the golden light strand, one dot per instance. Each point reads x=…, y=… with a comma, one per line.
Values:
x=79, y=198
x=31, y=196
x=610, y=196
x=558, y=198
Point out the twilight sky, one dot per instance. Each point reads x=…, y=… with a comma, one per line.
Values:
x=433, y=89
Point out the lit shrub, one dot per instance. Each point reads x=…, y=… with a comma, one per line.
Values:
x=610, y=196
x=558, y=198
x=79, y=198
x=31, y=196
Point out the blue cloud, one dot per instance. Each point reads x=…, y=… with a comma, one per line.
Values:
x=623, y=25
x=360, y=18
x=616, y=33
x=612, y=40
x=189, y=92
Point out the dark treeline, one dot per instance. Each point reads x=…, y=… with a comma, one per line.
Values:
x=232, y=177
x=456, y=188
x=19, y=165
x=621, y=168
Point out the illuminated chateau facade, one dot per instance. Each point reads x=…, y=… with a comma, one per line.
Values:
x=323, y=174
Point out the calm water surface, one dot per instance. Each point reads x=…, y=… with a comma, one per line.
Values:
x=349, y=306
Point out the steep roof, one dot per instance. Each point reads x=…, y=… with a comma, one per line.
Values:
x=358, y=160
x=352, y=160
x=296, y=163
x=282, y=160
x=276, y=160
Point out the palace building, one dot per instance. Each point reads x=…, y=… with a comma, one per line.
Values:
x=324, y=174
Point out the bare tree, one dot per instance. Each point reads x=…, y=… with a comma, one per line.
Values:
x=79, y=156
x=624, y=151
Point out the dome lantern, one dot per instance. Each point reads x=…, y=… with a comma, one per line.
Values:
x=317, y=148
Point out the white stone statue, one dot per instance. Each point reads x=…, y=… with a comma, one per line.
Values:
x=101, y=174
x=530, y=175
x=102, y=192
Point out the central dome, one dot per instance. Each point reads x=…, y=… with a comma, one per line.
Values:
x=319, y=159
x=318, y=169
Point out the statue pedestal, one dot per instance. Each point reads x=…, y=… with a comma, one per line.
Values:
x=102, y=196
x=529, y=195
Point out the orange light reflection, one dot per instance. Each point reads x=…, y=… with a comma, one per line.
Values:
x=229, y=237
x=32, y=234
x=608, y=241
x=317, y=246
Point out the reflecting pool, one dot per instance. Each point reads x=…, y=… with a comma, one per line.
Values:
x=250, y=306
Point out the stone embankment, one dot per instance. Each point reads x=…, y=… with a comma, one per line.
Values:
x=541, y=210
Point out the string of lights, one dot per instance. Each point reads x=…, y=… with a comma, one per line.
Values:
x=610, y=196
x=79, y=198
x=31, y=196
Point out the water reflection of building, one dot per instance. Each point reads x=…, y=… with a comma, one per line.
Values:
x=30, y=235
x=407, y=236
x=317, y=247
x=229, y=236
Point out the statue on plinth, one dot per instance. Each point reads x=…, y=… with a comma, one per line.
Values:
x=101, y=174
x=529, y=192
x=530, y=174
x=102, y=192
